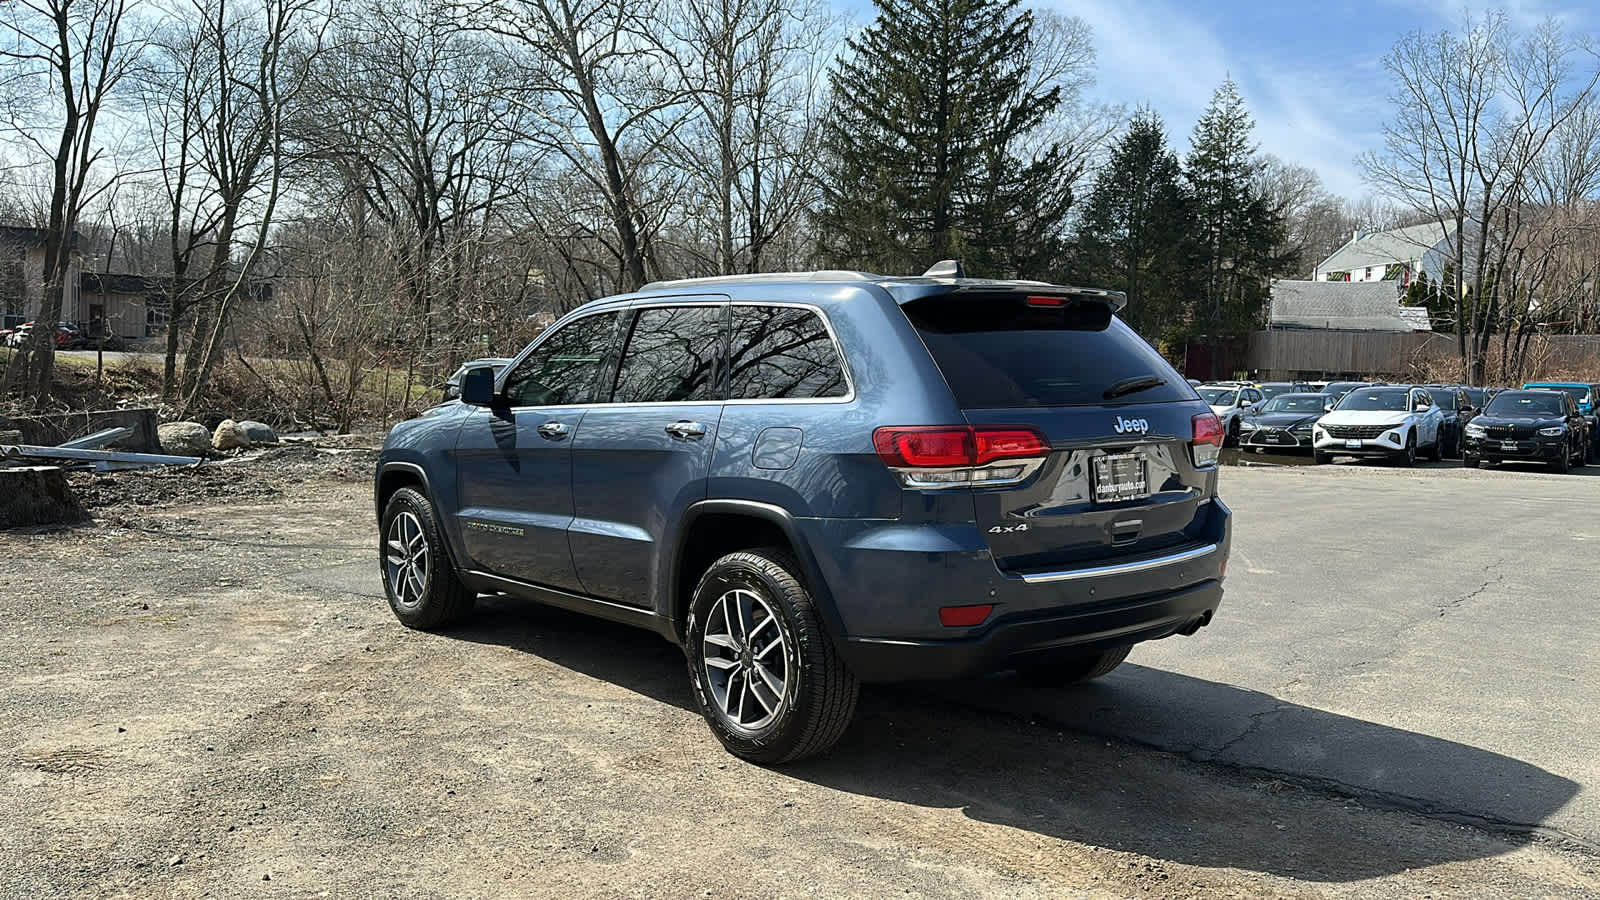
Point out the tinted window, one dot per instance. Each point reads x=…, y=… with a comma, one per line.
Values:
x=996, y=352
x=671, y=355
x=1217, y=396
x=563, y=369
x=1577, y=392
x=782, y=352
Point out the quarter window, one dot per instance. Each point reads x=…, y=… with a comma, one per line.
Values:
x=780, y=352
x=563, y=369
x=671, y=356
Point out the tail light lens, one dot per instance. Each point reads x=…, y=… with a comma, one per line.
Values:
x=1206, y=444
x=942, y=456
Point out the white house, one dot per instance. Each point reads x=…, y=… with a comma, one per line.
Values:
x=1396, y=255
x=22, y=276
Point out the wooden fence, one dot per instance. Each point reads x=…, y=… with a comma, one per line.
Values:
x=1287, y=354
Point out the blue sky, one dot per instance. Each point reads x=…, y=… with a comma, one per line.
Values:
x=1311, y=73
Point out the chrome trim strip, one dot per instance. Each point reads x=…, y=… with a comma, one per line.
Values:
x=1121, y=568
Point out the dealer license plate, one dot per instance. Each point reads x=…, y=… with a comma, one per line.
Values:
x=1272, y=438
x=1353, y=445
x=1508, y=445
x=1119, y=477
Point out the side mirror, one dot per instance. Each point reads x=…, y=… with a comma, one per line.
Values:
x=477, y=386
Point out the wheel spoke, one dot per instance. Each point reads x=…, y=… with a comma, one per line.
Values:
x=736, y=714
x=760, y=626
x=754, y=689
x=721, y=640
x=720, y=662
x=776, y=642
x=773, y=683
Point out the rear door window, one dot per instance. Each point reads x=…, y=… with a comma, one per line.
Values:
x=782, y=353
x=997, y=352
x=672, y=355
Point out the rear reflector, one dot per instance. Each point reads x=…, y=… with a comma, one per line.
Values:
x=951, y=446
x=964, y=616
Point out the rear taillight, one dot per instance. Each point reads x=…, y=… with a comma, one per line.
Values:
x=942, y=456
x=1206, y=444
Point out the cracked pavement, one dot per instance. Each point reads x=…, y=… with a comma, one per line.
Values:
x=1423, y=639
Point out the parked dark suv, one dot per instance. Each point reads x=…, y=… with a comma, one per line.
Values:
x=1528, y=426
x=813, y=480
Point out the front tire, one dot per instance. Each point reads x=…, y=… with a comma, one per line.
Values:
x=765, y=674
x=418, y=579
x=1436, y=452
x=1074, y=671
x=1562, y=464
x=1408, y=456
x=1319, y=458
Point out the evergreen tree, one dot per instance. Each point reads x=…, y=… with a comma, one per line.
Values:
x=1235, y=227
x=927, y=150
x=1133, y=234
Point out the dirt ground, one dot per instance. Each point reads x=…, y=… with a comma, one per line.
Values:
x=206, y=696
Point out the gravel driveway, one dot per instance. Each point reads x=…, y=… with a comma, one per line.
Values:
x=210, y=699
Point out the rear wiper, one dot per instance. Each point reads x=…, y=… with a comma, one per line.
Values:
x=1132, y=386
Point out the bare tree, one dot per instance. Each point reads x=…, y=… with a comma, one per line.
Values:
x=74, y=51
x=611, y=101
x=1474, y=112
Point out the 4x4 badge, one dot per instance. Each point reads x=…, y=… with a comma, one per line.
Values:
x=1007, y=529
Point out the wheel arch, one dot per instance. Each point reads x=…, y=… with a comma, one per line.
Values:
x=394, y=475
x=715, y=528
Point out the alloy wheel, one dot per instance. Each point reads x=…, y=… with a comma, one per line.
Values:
x=406, y=560
x=746, y=659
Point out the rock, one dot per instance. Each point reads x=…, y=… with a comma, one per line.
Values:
x=37, y=495
x=258, y=433
x=228, y=436
x=184, y=438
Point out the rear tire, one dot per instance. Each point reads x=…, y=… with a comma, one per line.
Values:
x=765, y=674
x=418, y=578
x=1436, y=452
x=1074, y=671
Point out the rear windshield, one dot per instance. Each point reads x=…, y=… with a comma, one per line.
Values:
x=996, y=352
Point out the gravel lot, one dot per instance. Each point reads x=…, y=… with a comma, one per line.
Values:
x=206, y=696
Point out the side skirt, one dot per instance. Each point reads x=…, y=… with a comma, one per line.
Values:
x=485, y=583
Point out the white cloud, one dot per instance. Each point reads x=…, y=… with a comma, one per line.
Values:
x=1167, y=56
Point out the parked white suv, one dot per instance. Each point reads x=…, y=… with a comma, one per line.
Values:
x=1231, y=402
x=1390, y=421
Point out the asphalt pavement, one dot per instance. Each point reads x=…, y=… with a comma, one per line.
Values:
x=1421, y=638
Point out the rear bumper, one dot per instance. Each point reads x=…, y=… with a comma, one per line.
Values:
x=886, y=582
x=1008, y=644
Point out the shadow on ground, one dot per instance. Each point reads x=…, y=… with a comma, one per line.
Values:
x=932, y=747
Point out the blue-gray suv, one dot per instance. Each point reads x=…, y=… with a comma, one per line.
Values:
x=812, y=480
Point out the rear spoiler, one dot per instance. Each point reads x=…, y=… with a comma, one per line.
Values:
x=1035, y=293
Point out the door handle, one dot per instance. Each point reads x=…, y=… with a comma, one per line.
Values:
x=683, y=429
x=554, y=431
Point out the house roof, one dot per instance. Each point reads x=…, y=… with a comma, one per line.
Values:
x=1344, y=306
x=18, y=236
x=1381, y=248
x=111, y=283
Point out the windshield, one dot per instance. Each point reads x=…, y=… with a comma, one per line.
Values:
x=1276, y=390
x=1476, y=396
x=1526, y=405
x=1300, y=403
x=1444, y=399
x=1579, y=392
x=1384, y=399
x=1217, y=396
